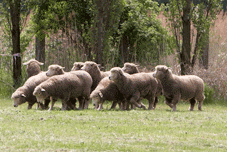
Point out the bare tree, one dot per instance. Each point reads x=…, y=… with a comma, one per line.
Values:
x=15, y=31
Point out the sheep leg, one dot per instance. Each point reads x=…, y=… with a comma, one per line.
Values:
x=100, y=106
x=114, y=104
x=168, y=101
x=64, y=101
x=71, y=104
x=192, y=104
x=30, y=105
x=134, y=100
x=151, y=103
x=155, y=102
x=86, y=102
x=81, y=103
x=142, y=105
x=175, y=101
x=200, y=105
x=120, y=104
x=38, y=105
x=133, y=106
x=126, y=106
x=123, y=104
x=46, y=103
x=52, y=103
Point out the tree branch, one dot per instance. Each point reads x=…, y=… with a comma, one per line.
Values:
x=179, y=9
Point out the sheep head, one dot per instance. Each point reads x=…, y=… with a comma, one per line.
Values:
x=161, y=71
x=40, y=94
x=77, y=66
x=33, y=61
x=130, y=68
x=18, y=98
x=96, y=97
x=55, y=70
x=116, y=73
x=90, y=66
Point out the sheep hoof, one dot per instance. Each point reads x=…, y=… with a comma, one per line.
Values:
x=190, y=109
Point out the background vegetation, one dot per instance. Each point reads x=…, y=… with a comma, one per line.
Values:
x=63, y=32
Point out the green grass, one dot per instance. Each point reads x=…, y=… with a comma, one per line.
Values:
x=113, y=130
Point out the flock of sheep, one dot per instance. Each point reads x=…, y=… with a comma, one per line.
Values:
x=124, y=86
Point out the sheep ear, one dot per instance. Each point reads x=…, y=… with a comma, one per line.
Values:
x=100, y=94
x=23, y=95
x=166, y=69
x=40, y=63
x=26, y=63
x=62, y=67
x=43, y=90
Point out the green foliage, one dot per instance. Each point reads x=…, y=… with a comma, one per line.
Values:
x=202, y=14
x=147, y=39
x=209, y=94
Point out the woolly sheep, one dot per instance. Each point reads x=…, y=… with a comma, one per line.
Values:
x=77, y=66
x=74, y=84
x=106, y=90
x=93, y=69
x=104, y=74
x=135, y=86
x=59, y=70
x=131, y=68
x=189, y=87
x=33, y=67
x=24, y=94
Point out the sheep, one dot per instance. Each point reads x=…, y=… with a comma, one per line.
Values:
x=135, y=86
x=104, y=74
x=77, y=66
x=33, y=67
x=132, y=68
x=189, y=87
x=93, y=69
x=106, y=90
x=55, y=69
x=74, y=84
x=59, y=70
x=24, y=94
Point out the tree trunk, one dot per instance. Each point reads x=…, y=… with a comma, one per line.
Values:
x=40, y=49
x=186, y=46
x=205, y=52
x=15, y=31
x=124, y=49
x=99, y=47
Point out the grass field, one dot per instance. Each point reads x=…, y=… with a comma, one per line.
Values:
x=113, y=130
